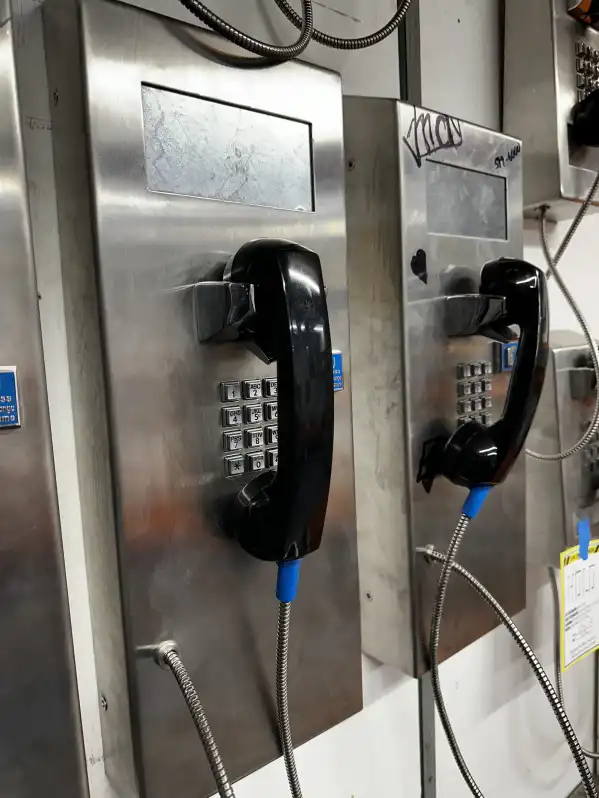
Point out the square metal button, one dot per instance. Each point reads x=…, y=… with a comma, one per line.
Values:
x=464, y=388
x=487, y=385
x=272, y=458
x=231, y=416
x=232, y=441
x=270, y=386
x=477, y=369
x=487, y=367
x=488, y=402
x=255, y=461
x=252, y=389
x=230, y=391
x=254, y=437
x=271, y=411
x=253, y=414
x=478, y=387
x=272, y=434
x=477, y=405
x=234, y=466
x=464, y=371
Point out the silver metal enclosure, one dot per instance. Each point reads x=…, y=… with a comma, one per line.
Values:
x=547, y=54
x=559, y=494
x=190, y=156
x=425, y=187
x=40, y=732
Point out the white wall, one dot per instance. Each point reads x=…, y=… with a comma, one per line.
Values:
x=511, y=742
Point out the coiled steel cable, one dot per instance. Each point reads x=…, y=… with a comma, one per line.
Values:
x=449, y=564
x=559, y=685
x=552, y=262
x=173, y=661
x=283, y=699
x=272, y=52
x=348, y=44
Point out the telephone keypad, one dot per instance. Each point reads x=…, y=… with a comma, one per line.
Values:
x=254, y=437
x=233, y=441
x=587, y=71
x=252, y=389
x=244, y=448
x=473, y=393
x=270, y=408
x=270, y=387
x=253, y=414
x=255, y=461
x=231, y=416
x=234, y=466
x=230, y=391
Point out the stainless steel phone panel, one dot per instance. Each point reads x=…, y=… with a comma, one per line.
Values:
x=431, y=199
x=545, y=76
x=557, y=493
x=41, y=749
x=175, y=404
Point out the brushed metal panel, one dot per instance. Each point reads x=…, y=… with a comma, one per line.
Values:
x=183, y=578
x=41, y=752
x=555, y=495
x=418, y=370
x=540, y=91
x=221, y=151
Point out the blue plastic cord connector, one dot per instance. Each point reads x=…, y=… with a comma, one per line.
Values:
x=474, y=502
x=287, y=580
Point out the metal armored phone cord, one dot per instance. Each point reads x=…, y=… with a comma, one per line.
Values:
x=167, y=656
x=276, y=54
x=559, y=685
x=272, y=52
x=552, y=262
x=348, y=44
x=470, y=510
x=287, y=581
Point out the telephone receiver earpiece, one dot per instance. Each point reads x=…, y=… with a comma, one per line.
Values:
x=476, y=455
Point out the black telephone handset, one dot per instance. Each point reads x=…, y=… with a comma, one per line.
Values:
x=476, y=455
x=280, y=515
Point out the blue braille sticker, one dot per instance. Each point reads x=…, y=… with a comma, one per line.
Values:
x=337, y=370
x=9, y=400
x=508, y=356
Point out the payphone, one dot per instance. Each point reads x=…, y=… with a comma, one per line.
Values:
x=562, y=494
x=551, y=100
x=209, y=204
x=441, y=198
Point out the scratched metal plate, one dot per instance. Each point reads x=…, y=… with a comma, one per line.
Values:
x=200, y=148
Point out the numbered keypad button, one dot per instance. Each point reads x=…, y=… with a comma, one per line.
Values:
x=231, y=416
x=272, y=458
x=233, y=441
x=252, y=389
x=254, y=437
x=272, y=435
x=234, y=466
x=270, y=386
x=255, y=461
x=230, y=391
x=253, y=414
x=270, y=408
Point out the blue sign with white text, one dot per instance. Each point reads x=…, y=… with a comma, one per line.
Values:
x=9, y=404
x=337, y=371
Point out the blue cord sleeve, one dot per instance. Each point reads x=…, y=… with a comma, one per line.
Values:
x=287, y=580
x=474, y=502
